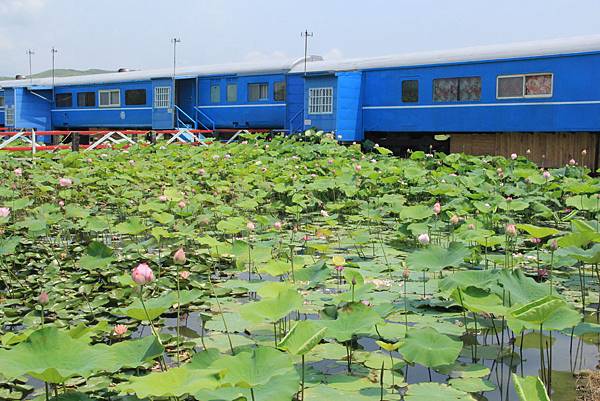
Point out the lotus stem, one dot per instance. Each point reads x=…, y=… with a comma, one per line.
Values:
x=302, y=391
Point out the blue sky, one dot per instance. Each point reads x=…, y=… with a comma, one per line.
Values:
x=135, y=33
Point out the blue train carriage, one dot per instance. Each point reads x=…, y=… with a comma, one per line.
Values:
x=487, y=100
x=251, y=96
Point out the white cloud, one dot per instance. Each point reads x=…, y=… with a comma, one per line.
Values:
x=15, y=8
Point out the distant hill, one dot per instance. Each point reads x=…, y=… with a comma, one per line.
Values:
x=63, y=73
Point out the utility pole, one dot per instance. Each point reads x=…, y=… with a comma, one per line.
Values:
x=30, y=53
x=175, y=41
x=53, y=51
x=306, y=35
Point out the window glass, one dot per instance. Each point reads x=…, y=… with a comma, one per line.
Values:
x=1, y=100
x=510, y=87
x=86, y=99
x=445, y=90
x=320, y=101
x=215, y=93
x=410, y=91
x=258, y=92
x=232, y=92
x=110, y=98
x=538, y=85
x=469, y=89
x=64, y=100
x=279, y=92
x=135, y=97
x=162, y=97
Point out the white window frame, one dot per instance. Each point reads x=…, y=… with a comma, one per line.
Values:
x=110, y=92
x=524, y=94
x=10, y=116
x=320, y=101
x=162, y=97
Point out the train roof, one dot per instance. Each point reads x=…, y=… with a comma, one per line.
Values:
x=244, y=68
x=540, y=48
x=552, y=47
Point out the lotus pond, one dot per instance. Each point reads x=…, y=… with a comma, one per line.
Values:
x=279, y=269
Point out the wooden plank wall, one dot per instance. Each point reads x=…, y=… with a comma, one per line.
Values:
x=547, y=149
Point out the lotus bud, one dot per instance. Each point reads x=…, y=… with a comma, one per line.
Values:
x=424, y=239
x=547, y=175
x=509, y=198
x=554, y=245
x=366, y=303
x=528, y=151
x=18, y=172
x=511, y=230
x=250, y=226
x=65, y=182
x=454, y=220
x=142, y=274
x=4, y=211
x=584, y=152
x=339, y=268
x=353, y=280
x=330, y=161
x=357, y=167
x=163, y=198
x=181, y=205
x=61, y=203
x=43, y=298
x=184, y=274
x=437, y=208
x=277, y=225
x=406, y=274
x=179, y=257
x=306, y=238
x=536, y=241
x=202, y=171
x=120, y=330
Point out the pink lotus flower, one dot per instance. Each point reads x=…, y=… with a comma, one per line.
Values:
x=572, y=162
x=65, y=182
x=184, y=274
x=330, y=161
x=120, y=330
x=437, y=208
x=43, y=298
x=514, y=156
x=528, y=151
x=511, y=230
x=18, y=172
x=357, y=168
x=61, y=203
x=324, y=213
x=131, y=162
x=424, y=239
x=339, y=268
x=547, y=175
x=142, y=274
x=202, y=171
x=306, y=238
x=4, y=212
x=277, y=225
x=471, y=226
x=163, y=198
x=584, y=152
x=181, y=204
x=365, y=302
x=536, y=241
x=250, y=226
x=179, y=257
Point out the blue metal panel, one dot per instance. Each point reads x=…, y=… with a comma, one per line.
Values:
x=295, y=103
x=2, y=110
x=124, y=116
x=349, y=106
x=574, y=106
x=324, y=122
x=267, y=113
x=32, y=111
x=162, y=118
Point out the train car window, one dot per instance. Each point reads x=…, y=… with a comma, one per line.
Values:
x=135, y=97
x=162, y=97
x=86, y=99
x=232, y=92
x=510, y=87
x=410, y=91
x=445, y=90
x=1, y=100
x=109, y=98
x=539, y=85
x=320, y=101
x=279, y=92
x=258, y=92
x=215, y=93
x=64, y=100
x=469, y=89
